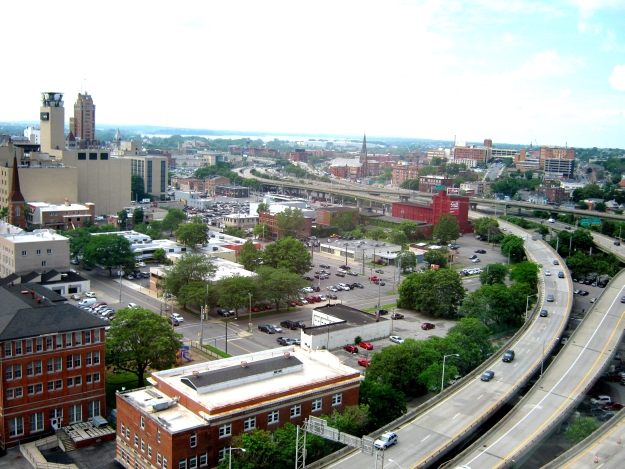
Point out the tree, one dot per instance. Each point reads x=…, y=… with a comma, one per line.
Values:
x=137, y=216
x=190, y=267
x=234, y=292
x=155, y=229
x=353, y=420
x=249, y=256
x=582, y=239
x=195, y=294
x=262, y=230
x=398, y=237
x=78, y=240
x=430, y=378
x=437, y=257
x=494, y=273
x=582, y=428
x=290, y=222
x=512, y=246
x=377, y=234
x=262, y=207
x=234, y=231
x=447, y=228
x=486, y=226
x=438, y=292
x=4, y=212
x=410, y=228
x=173, y=218
x=407, y=260
x=122, y=220
x=139, y=340
x=288, y=253
x=279, y=285
x=159, y=254
x=108, y=251
x=492, y=304
x=192, y=234
x=525, y=272
x=600, y=207
x=384, y=402
x=137, y=187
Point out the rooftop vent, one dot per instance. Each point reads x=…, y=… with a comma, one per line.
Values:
x=243, y=364
x=287, y=354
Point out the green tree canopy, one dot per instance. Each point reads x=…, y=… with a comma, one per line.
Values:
x=173, y=218
x=385, y=403
x=485, y=226
x=447, y=228
x=437, y=257
x=279, y=285
x=494, y=273
x=262, y=230
x=249, y=256
x=234, y=231
x=290, y=222
x=438, y=292
x=190, y=267
x=139, y=340
x=108, y=251
x=262, y=207
x=377, y=234
x=410, y=228
x=513, y=246
x=288, y=253
x=137, y=216
x=398, y=237
x=78, y=240
x=122, y=220
x=407, y=260
x=196, y=294
x=159, y=254
x=192, y=234
x=234, y=292
x=581, y=429
x=525, y=272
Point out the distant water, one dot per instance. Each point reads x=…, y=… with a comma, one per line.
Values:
x=264, y=138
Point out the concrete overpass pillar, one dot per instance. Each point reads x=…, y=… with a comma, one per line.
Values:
x=358, y=203
x=519, y=211
x=309, y=193
x=331, y=198
x=404, y=198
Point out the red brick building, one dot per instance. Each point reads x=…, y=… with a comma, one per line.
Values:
x=52, y=364
x=555, y=195
x=430, y=183
x=188, y=418
x=479, y=154
x=326, y=215
x=298, y=155
x=457, y=206
x=403, y=172
x=270, y=219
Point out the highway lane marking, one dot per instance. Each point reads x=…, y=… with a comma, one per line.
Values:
x=455, y=415
x=425, y=438
x=480, y=397
x=567, y=400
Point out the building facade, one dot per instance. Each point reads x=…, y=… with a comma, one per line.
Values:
x=457, y=206
x=404, y=172
x=63, y=217
x=270, y=220
x=188, y=417
x=52, y=365
x=82, y=125
x=431, y=183
x=240, y=221
x=153, y=170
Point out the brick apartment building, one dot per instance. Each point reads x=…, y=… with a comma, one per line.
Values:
x=404, y=172
x=211, y=183
x=430, y=183
x=326, y=215
x=188, y=418
x=59, y=217
x=479, y=154
x=270, y=219
x=555, y=195
x=52, y=364
x=457, y=206
x=298, y=155
x=551, y=152
x=188, y=184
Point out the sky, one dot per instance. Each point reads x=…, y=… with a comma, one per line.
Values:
x=515, y=71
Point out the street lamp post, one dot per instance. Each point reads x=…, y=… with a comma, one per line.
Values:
x=120, y=285
x=346, y=244
x=443, y=378
x=527, y=304
x=230, y=455
x=249, y=326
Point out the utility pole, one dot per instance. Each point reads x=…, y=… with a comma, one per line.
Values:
x=203, y=311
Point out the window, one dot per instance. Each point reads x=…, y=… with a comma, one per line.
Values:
x=88, y=359
x=38, y=252
x=58, y=384
x=78, y=338
x=50, y=365
x=296, y=410
x=59, y=341
x=39, y=344
x=127, y=433
x=158, y=435
x=203, y=460
x=93, y=409
x=8, y=349
x=158, y=459
x=43, y=263
x=337, y=399
x=75, y=414
x=82, y=156
x=30, y=369
x=29, y=345
x=96, y=336
x=123, y=431
x=77, y=360
x=68, y=340
x=96, y=377
x=221, y=455
x=70, y=362
x=49, y=343
x=249, y=424
x=182, y=464
x=104, y=156
x=50, y=385
x=193, y=439
x=57, y=414
x=142, y=422
x=149, y=451
x=59, y=364
x=93, y=156
x=38, y=388
x=36, y=422
x=70, y=382
x=14, y=393
x=142, y=445
x=30, y=389
x=23, y=253
x=273, y=417
x=193, y=462
x=49, y=251
x=18, y=347
x=225, y=430
x=164, y=463
x=78, y=380
x=38, y=367
x=16, y=426
x=96, y=357
x=87, y=337
x=316, y=405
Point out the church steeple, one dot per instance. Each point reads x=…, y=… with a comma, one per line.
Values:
x=16, y=200
x=364, y=167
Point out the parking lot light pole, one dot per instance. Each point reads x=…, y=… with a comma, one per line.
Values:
x=527, y=304
x=443, y=378
x=249, y=326
x=120, y=285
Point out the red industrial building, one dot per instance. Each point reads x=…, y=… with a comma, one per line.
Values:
x=442, y=203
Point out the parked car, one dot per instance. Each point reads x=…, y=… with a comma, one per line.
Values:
x=340, y=274
x=582, y=293
x=133, y=305
x=614, y=406
x=378, y=271
x=177, y=316
x=475, y=261
x=366, y=345
x=173, y=322
x=397, y=339
x=487, y=375
x=382, y=311
x=288, y=324
x=602, y=399
x=332, y=296
x=225, y=313
x=323, y=298
x=308, y=277
x=386, y=440
x=373, y=278
x=473, y=256
x=324, y=266
x=345, y=267
x=75, y=297
x=352, y=273
x=426, y=326
x=611, y=376
x=397, y=316
x=480, y=251
x=350, y=348
x=90, y=294
x=364, y=361
x=266, y=328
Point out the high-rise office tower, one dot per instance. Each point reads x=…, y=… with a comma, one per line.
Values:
x=51, y=121
x=82, y=124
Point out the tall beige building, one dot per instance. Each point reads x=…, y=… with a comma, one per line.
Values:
x=82, y=125
x=52, y=121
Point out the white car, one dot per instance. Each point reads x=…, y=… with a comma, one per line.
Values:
x=177, y=316
x=90, y=294
x=397, y=339
x=386, y=440
x=304, y=301
x=548, y=273
x=307, y=290
x=133, y=305
x=323, y=297
x=277, y=328
x=141, y=264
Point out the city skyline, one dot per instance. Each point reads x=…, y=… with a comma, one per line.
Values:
x=545, y=72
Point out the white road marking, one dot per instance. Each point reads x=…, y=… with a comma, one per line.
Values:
x=425, y=438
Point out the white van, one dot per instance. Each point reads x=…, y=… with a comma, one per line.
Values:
x=87, y=302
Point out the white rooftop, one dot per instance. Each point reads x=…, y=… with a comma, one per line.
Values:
x=46, y=207
x=18, y=235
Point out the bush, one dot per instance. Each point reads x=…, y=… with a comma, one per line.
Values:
x=358, y=339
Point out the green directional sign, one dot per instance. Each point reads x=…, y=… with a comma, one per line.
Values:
x=585, y=222
x=441, y=188
x=596, y=221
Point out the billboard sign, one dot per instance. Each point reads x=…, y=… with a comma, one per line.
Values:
x=453, y=191
x=454, y=207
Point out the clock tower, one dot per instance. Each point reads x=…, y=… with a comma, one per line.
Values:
x=52, y=122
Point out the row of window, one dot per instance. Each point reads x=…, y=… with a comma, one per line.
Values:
x=53, y=385
x=71, y=339
x=93, y=156
x=274, y=416
x=38, y=252
x=36, y=421
x=54, y=365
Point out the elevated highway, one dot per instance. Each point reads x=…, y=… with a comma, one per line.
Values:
x=438, y=426
x=559, y=390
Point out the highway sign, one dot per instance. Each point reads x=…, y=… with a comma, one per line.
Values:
x=596, y=221
x=584, y=222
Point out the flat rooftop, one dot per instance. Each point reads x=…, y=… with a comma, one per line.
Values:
x=349, y=317
x=232, y=385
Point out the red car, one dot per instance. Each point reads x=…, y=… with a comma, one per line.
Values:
x=614, y=406
x=364, y=362
x=268, y=307
x=366, y=345
x=426, y=326
x=256, y=309
x=345, y=267
x=374, y=279
x=351, y=348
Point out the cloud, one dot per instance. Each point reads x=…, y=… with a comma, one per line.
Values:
x=617, y=78
x=549, y=63
x=508, y=37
